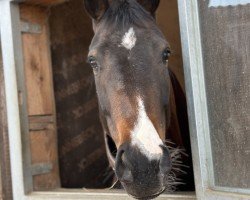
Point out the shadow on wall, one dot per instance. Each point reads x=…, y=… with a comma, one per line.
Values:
x=82, y=157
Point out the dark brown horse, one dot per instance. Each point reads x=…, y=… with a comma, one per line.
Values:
x=140, y=101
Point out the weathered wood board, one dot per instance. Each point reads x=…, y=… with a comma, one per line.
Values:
x=45, y=2
x=40, y=95
x=37, y=62
x=5, y=173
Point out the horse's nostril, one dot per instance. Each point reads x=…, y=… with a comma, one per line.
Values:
x=123, y=173
x=127, y=176
x=165, y=161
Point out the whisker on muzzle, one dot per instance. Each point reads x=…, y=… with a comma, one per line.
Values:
x=176, y=155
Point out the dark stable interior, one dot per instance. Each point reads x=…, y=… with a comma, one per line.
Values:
x=81, y=147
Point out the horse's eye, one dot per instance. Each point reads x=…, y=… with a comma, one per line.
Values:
x=165, y=55
x=92, y=61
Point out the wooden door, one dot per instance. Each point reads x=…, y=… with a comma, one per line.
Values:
x=40, y=97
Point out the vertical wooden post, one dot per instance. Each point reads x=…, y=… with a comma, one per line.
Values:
x=40, y=98
x=15, y=99
x=5, y=174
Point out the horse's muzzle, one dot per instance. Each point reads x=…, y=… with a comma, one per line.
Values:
x=141, y=177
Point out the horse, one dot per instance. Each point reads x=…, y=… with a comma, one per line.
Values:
x=141, y=103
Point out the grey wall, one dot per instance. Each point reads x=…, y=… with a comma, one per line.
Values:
x=226, y=53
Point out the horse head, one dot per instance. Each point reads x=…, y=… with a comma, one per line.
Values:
x=129, y=56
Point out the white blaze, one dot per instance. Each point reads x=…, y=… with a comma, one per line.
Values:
x=145, y=136
x=129, y=39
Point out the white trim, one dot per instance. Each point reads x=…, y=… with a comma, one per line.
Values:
x=101, y=194
x=7, y=11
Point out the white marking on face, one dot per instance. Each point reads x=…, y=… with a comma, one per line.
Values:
x=129, y=39
x=145, y=136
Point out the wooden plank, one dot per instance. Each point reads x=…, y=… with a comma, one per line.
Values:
x=41, y=119
x=37, y=62
x=43, y=152
x=40, y=126
x=45, y=2
x=15, y=99
x=41, y=105
x=38, y=123
x=5, y=174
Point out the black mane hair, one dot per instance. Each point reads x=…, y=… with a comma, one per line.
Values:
x=123, y=13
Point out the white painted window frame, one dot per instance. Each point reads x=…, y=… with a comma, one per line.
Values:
x=197, y=106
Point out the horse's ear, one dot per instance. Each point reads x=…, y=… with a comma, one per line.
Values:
x=150, y=5
x=96, y=8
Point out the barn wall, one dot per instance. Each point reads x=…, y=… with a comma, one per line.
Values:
x=82, y=155
x=5, y=174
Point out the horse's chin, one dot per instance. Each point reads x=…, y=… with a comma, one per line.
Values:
x=149, y=197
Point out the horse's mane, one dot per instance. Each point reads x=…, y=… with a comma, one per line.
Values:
x=123, y=13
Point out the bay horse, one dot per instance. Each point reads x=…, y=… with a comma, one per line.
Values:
x=141, y=103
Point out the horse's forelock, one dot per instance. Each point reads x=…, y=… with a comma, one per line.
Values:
x=124, y=13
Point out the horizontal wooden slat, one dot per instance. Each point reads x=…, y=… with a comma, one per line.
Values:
x=41, y=119
x=41, y=122
x=44, y=2
x=41, y=127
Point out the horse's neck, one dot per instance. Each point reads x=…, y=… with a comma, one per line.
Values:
x=173, y=132
x=178, y=130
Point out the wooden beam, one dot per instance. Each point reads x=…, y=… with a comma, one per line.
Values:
x=5, y=174
x=44, y=2
x=40, y=96
x=15, y=96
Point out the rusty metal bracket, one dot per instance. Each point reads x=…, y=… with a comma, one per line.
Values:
x=27, y=27
x=42, y=168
